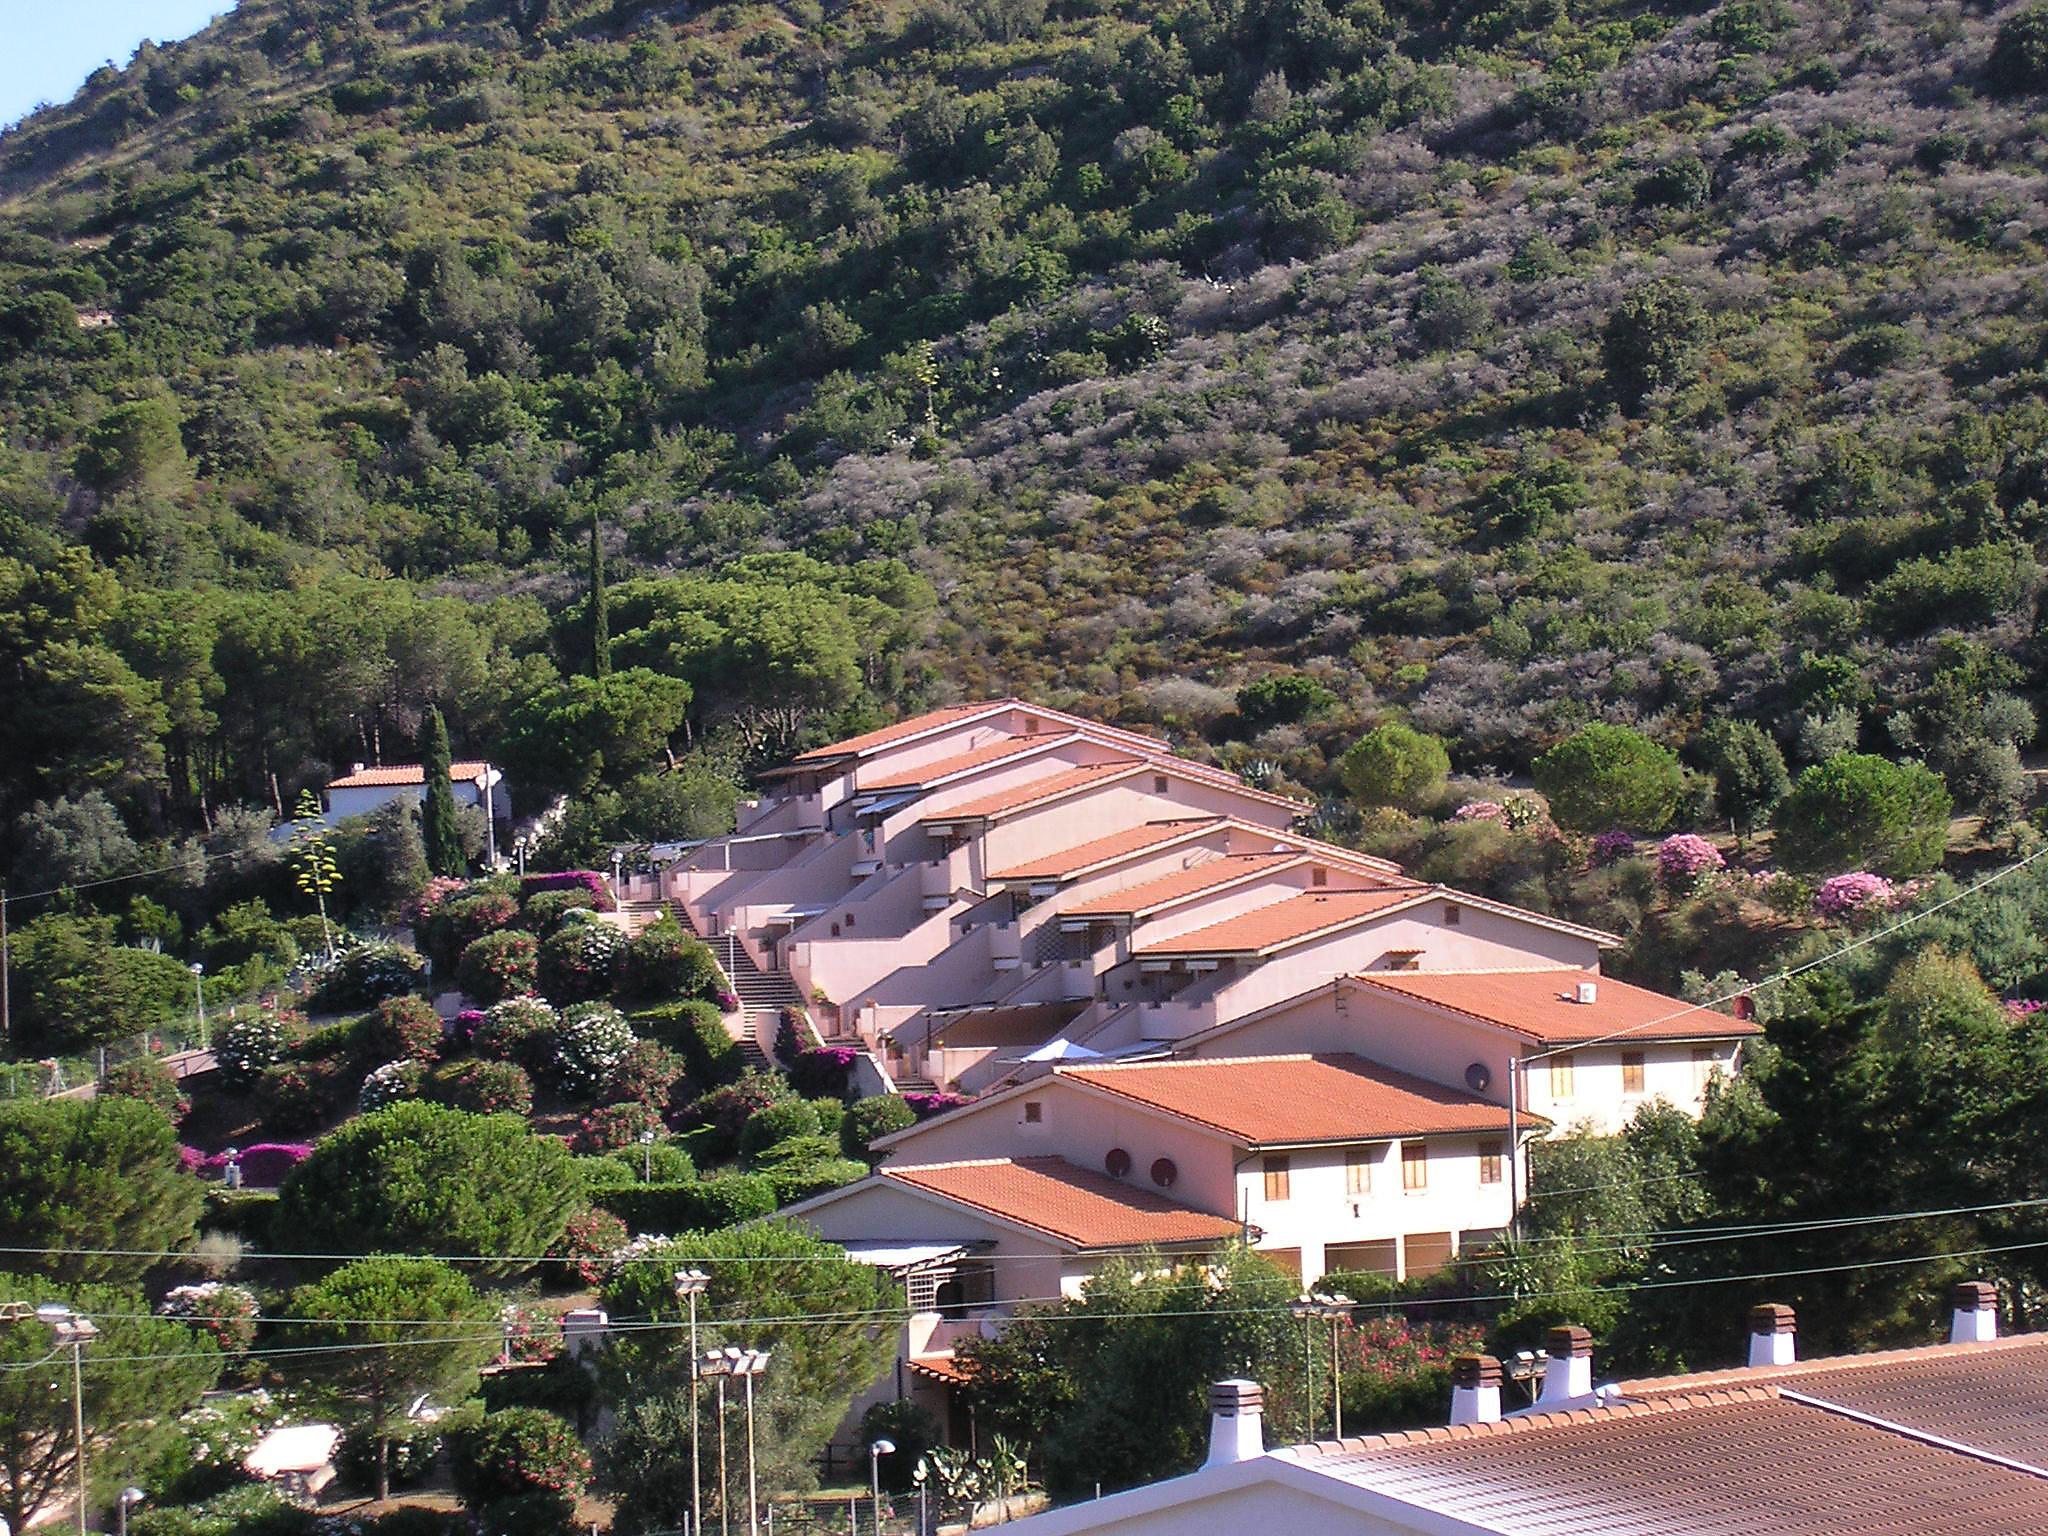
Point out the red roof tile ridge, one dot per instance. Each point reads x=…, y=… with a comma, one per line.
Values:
x=897, y=730
x=1185, y=1063
x=1744, y=1376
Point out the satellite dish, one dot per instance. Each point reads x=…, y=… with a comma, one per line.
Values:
x=1118, y=1162
x=1164, y=1173
x=1478, y=1077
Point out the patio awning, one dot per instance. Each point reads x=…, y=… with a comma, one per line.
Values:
x=792, y=917
x=888, y=803
x=900, y=1258
x=1010, y=1024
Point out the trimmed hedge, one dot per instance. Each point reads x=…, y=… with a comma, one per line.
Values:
x=807, y=1179
x=243, y=1213
x=700, y=1206
x=695, y=1030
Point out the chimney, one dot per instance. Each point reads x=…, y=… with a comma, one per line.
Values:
x=355, y=768
x=1237, y=1430
x=1773, y=1335
x=1976, y=1313
x=1475, y=1390
x=1587, y=993
x=1569, y=1375
x=1745, y=1007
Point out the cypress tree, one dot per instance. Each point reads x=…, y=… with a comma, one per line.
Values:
x=437, y=811
x=600, y=620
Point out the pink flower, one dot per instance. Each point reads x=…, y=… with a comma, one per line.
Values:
x=1685, y=858
x=1481, y=810
x=1612, y=845
x=1846, y=895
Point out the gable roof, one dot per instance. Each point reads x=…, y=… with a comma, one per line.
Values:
x=1295, y=1100
x=1540, y=1004
x=1272, y=927
x=1082, y=857
x=1179, y=884
x=1739, y=1462
x=902, y=730
x=966, y=762
x=467, y=771
x=1074, y=1206
x=1053, y=786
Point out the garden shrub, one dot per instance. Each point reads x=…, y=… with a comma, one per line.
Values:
x=544, y=910
x=592, y=1042
x=662, y=1163
x=256, y=1509
x=696, y=1029
x=724, y=1111
x=648, y=1074
x=579, y=961
x=873, y=1118
x=482, y=1087
x=533, y=1334
x=296, y=1097
x=792, y=1150
x=225, y=1313
x=588, y=1240
x=341, y=1040
x=391, y=1083
x=776, y=1122
x=830, y=1113
x=800, y=1181
x=614, y=1125
x=701, y=1205
x=520, y=1029
x=146, y=1078
x=500, y=965
x=559, y=1384
x=414, y=1448
x=242, y=1213
x=367, y=974
x=404, y=1028
x=248, y=1045
x=515, y=1452
x=662, y=960
x=461, y=921
x=530, y=1514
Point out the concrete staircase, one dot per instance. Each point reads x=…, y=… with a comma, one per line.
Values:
x=760, y=992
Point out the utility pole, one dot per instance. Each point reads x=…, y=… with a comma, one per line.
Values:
x=6, y=966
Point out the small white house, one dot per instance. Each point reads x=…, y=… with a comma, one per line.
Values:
x=364, y=789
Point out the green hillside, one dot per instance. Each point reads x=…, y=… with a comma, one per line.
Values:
x=1499, y=368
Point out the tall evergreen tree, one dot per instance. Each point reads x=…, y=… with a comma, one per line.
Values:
x=600, y=620
x=437, y=811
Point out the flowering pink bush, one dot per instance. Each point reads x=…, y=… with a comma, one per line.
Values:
x=823, y=1071
x=532, y=1333
x=191, y=1159
x=614, y=1126
x=227, y=1312
x=405, y=1028
x=1846, y=895
x=1481, y=810
x=499, y=965
x=925, y=1105
x=424, y=905
x=462, y=1028
x=588, y=1243
x=1686, y=858
x=264, y=1165
x=1609, y=846
x=570, y=880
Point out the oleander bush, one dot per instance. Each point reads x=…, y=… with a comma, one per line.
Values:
x=482, y=1087
x=500, y=965
x=404, y=1028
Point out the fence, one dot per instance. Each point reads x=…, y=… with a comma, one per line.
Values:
x=179, y=1046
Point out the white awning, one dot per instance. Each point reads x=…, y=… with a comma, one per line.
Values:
x=902, y=1257
x=793, y=916
x=888, y=803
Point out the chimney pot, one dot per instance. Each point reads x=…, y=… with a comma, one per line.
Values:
x=1475, y=1389
x=1237, y=1429
x=1773, y=1334
x=1975, y=1320
x=1569, y=1375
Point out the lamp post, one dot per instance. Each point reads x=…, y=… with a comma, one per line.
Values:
x=77, y=1332
x=1335, y=1309
x=199, y=999
x=130, y=1497
x=876, y=1451
x=714, y=1364
x=747, y=1364
x=690, y=1284
x=618, y=890
x=647, y=1157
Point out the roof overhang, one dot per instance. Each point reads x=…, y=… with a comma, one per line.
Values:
x=901, y=1257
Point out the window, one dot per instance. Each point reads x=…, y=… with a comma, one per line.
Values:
x=849, y=919
x=1276, y=1178
x=1034, y=1111
x=1414, y=1166
x=1357, y=1171
x=1404, y=959
x=1318, y=877
x=1704, y=1061
x=1453, y=915
x=1561, y=1083
x=1631, y=1071
x=1489, y=1162
x=1159, y=785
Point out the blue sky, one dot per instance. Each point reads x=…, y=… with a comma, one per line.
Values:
x=52, y=45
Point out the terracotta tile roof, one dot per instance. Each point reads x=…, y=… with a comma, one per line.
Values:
x=978, y=757
x=465, y=772
x=1284, y=922
x=1291, y=1100
x=1539, y=1004
x=1105, y=850
x=1730, y=1463
x=916, y=725
x=1050, y=787
x=1181, y=883
x=1993, y=1396
x=1073, y=1205
x=943, y=1369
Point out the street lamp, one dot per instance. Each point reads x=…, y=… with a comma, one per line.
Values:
x=77, y=1332
x=1308, y=1307
x=876, y=1451
x=199, y=999
x=690, y=1284
x=714, y=1364
x=647, y=1157
x=130, y=1497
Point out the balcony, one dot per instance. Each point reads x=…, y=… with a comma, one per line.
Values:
x=935, y=884
x=1005, y=946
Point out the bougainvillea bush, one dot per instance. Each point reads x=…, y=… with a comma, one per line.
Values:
x=925, y=1105
x=247, y=1045
x=402, y=1028
x=592, y=1042
x=227, y=1313
x=500, y=965
x=823, y=1071
x=579, y=961
x=1685, y=859
x=391, y=1083
x=1612, y=845
x=264, y=1165
x=482, y=1087
x=1853, y=894
x=570, y=880
x=520, y=1029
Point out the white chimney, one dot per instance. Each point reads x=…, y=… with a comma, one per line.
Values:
x=1976, y=1313
x=1773, y=1335
x=583, y=1330
x=355, y=767
x=1569, y=1376
x=1475, y=1390
x=1237, y=1430
x=1587, y=993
